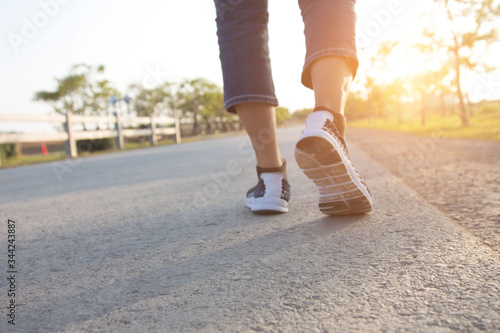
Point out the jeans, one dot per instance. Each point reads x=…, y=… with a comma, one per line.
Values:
x=244, y=52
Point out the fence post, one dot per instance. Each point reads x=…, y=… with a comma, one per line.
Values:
x=177, y=127
x=70, y=145
x=152, y=125
x=118, y=126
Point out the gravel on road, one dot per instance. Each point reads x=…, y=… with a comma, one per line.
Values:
x=460, y=177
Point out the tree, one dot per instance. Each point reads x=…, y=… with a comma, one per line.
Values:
x=375, y=98
x=377, y=93
x=149, y=102
x=393, y=94
x=200, y=100
x=197, y=99
x=425, y=85
x=214, y=110
x=469, y=26
x=81, y=92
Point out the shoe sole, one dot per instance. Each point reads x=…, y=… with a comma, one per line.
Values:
x=267, y=205
x=340, y=189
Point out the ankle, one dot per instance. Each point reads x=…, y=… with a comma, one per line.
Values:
x=281, y=169
x=325, y=108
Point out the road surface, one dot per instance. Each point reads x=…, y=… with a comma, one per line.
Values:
x=159, y=239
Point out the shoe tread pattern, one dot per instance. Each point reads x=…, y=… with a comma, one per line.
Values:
x=323, y=164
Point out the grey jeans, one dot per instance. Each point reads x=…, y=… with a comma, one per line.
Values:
x=329, y=28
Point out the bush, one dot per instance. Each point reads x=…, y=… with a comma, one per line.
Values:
x=301, y=114
x=282, y=114
x=489, y=108
x=8, y=150
x=91, y=146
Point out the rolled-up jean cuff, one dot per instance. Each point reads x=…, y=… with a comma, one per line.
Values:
x=231, y=103
x=350, y=57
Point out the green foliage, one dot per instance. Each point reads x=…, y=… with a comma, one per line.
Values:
x=8, y=150
x=81, y=92
x=201, y=99
x=301, y=114
x=282, y=114
x=200, y=102
x=150, y=101
x=197, y=100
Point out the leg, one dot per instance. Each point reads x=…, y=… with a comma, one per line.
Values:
x=331, y=59
x=244, y=52
x=330, y=66
x=246, y=67
x=259, y=121
x=330, y=27
x=331, y=78
x=249, y=92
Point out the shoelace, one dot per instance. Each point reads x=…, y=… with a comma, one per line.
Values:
x=330, y=127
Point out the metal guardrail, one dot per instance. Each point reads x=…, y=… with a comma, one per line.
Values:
x=71, y=136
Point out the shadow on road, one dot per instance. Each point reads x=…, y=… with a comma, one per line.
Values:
x=249, y=242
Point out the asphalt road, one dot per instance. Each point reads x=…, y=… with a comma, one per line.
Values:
x=160, y=240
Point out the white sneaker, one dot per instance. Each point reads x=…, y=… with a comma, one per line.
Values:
x=322, y=155
x=272, y=192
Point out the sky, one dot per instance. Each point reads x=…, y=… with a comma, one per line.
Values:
x=167, y=39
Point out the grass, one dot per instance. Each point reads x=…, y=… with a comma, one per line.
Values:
x=30, y=159
x=140, y=145
x=483, y=126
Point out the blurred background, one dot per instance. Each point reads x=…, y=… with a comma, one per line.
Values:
x=426, y=67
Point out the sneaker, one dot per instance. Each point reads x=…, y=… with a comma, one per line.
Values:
x=272, y=192
x=322, y=155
